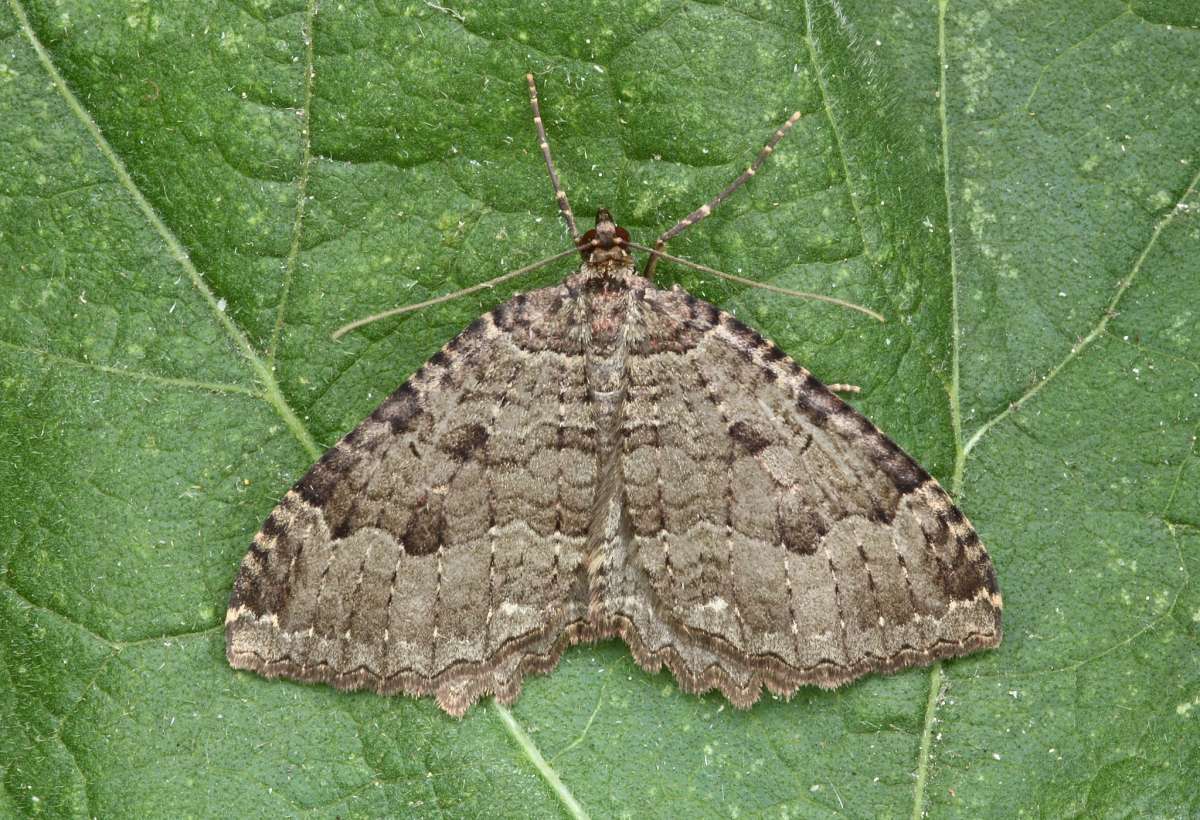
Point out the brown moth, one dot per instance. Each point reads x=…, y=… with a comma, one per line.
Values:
x=604, y=458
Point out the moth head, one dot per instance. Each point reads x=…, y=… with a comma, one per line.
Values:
x=606, y=245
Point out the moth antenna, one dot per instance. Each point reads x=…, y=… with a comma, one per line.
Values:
x=764, y=286
x=491, y=283
x=707, y=208
x=559, y=194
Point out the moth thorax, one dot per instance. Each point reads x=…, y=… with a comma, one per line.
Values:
x=605, y=246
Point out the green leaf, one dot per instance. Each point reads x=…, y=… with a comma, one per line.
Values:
x=193, y=196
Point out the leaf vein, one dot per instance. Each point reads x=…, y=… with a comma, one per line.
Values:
x=271, y=391
x=591, y=719
x=137, y=375
x=306, y=161
x=810, y=44
x=1057, y=58
x=29, y=602
x=1106, y=316
x=868, y=253
x=549, y=774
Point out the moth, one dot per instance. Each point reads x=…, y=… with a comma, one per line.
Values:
x=604, y=458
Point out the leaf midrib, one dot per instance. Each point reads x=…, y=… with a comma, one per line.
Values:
x=925, y=746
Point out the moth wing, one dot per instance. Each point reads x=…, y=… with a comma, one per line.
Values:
x=778, y=537
x=438, y=547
